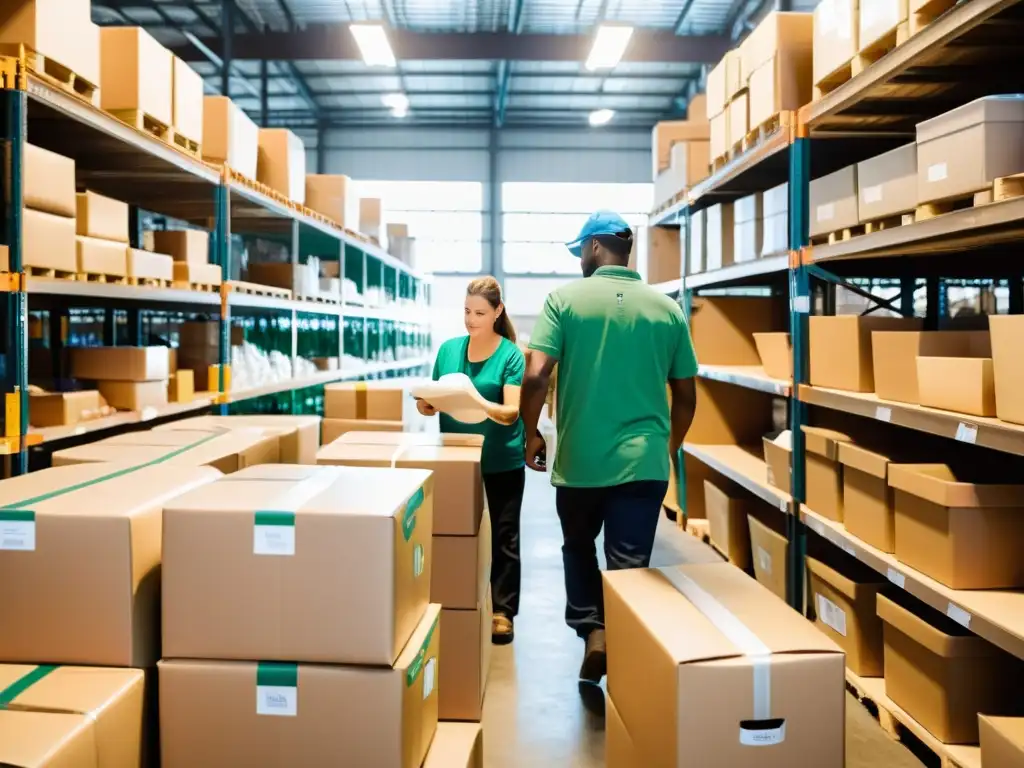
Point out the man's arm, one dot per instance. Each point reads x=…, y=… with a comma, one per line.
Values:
x=534, y=392
x=684, y=404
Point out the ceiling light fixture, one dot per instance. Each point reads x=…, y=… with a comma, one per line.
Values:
x=398, y=103
x=609, y=46
x=601, y=116
x=373, y=45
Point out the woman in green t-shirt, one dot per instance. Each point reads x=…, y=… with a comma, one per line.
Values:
x=495, y=365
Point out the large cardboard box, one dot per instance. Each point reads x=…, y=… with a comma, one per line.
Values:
x=461, y=565
x=298, y=436
x=887, y=184
x=824, y=473
x=785, y=36
x=697, y=108
x=1006, y=331
x=698, y=243
x=964, y=150
x=718, y=142
x=844, y=608
x=54, y=409
x=1002, y=741
x=49, y=181
x=841, y=350
x=958, y=384
x=833, y=202
x=83, y=545
x=230, y=137
x=718, y=86
x=187, y=101
x=333, y=196
x=102, y=217
x=265, y=715
x=666, y=134
x=188, y=245
x=747, y=218
x=868, y=506
x=776, y=220
x=895, y=353
x=739, y=119
x=675, y=631
x=136, y=73
x=835, y=36
x=878, y=18
x=722, y=327
x=454, y=460
x=770, y=552
x=282, y=163
x=61, y=30
x=456, y=745
x=100, y=257
x=134, y=395
x=466, y=661
x=149, y=266
x=963, y=534
x=941, y=674
x=97, y=710
x=619, y=749
x=324, y=564
x=335, y=428
x=776, y=354
x=48, y=241
x=727, y=511
x=781, y=83
x=366, y=400
x=720, y=229
x=120, y=363
x=664, y=255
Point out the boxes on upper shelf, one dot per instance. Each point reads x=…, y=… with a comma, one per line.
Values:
x=1008, y=366
x=777, y=64
x=964, y=150
x=844, y=606
x=666, y=134
x=697, y=108
x=824, y=473
x=298, y=436
x=120, y=363
x=720, y=226
x=833, y=202
x=727, y=512
x=456, y=745
x=776, y=220
x=49, y=181
x=101, y=217
x=835, y=37
x=776, y=354
x=333, y=196
x=688, y=165
x=200, y=274
x=186, y=101
x=230, y=137
x=739, y=119
x=462, y=566
x=841, y=349
x=719, y=89
x=878, y=18
x=895, y=355
x=188, y=245
x=61, y=30
x=664, y=255
x=48, y=241
x=1002, y=741
x=281, y=163
x=718, y=141
x=100, y=257
x=747, y=237
x=887, y=184
x=149, y=266
x=868, y=507
x=136, y=74
x=958, y=384
x=769, y=550
x=371, y=216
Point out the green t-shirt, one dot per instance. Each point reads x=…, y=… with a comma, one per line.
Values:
x=504, y=445
x=618, y=342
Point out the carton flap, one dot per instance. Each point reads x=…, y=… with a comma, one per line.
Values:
x=1010, y=729
x=420, y=638
x=938, y=484
x=34, y=739
x=943, y=637
x=874, y=464
x=824, y=442
x=68, y=690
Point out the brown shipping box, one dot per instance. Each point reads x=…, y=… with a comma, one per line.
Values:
x=895, y=353
x=227, y=451
x=230, y=137
x=454, y=460
x=963, y=534
x=844, y=607
x=461, y=564
x=776, y=354
x=333, y=196
x=824, y=479
x=298, y=436
x=727, y=512
x=120, y=363
x=48, y=241
x=281, y=163
x=1008, y=366
x=958, y=384
x=87, y=562
x=868, y=506
x=134, y=395
x=366, y=400
x=664, y=256
x=841, y=353
x=101, y=257
x=149, y=266
x=718, y=90
x=1002, y=741
x=278, y=562
x=49, y=184
x=781, y=83
x=878, y=18
x=265, y=715
x=187, y=101
x=619, y=749
x=136, y=73
x=465, y=661
x=835, y=37
x=335, y=428
x=456, y=745
x=720, y=228
x=189, y=245
x=775, y=228
x=723, y=327
x=60, y=30
x=782, y=35
x=691, y=627
x=102, y=217
x=833, y=201
x=55, y=409
x=202, y=274
x=769, y=550
x=942, y=674
x=106, y=703
x=887, y=184
x=666, y=134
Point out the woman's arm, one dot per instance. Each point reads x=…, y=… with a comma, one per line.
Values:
x=508, y=412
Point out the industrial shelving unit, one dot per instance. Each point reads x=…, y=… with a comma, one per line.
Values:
x=155, y=178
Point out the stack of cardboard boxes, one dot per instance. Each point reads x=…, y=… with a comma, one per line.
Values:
x=378, y=406
x=129, y=378
x=101, y=235
x=680, y=150
x=190, y=250
x=48, y=221
x=281, y=163
x=230, y=137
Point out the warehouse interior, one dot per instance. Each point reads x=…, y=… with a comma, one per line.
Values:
x=235, y=248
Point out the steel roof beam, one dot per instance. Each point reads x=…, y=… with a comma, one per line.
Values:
x=503, y=75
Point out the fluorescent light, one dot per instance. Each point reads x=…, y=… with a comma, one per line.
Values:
x=601, y=116
x=397, y=102
x=609, y=45
x=373, y=45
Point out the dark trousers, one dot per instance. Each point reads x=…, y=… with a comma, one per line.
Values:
x=629, y=514
x=505, y=500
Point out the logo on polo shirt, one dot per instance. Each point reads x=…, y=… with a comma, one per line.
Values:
x=618, y=298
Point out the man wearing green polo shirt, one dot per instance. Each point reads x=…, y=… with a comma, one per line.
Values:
x=617, y=342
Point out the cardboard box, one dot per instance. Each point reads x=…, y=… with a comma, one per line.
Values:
x=779, y=84
x=844, y=607
x=688, y=165
x=747, y=235
x=964, y=150
x=770, y=552
x=198, y=274
x=664, y=255
x=102, y=217
x=298, y=436
x=230, y=137
x=100, y=257
x=958, y=384
x=887, y=184
x=48, y=241
x=824, y=472
x=833, y=202
x=49, y=181
x=941, y=674
x=454, y=460
x=689, y=627
x=462, y=568
x=619, y=749
x=149, y=266
x=1008, y=366
x=739, y=119
x=895, y=353
x=366, y=400
x=335, y=428
x=456, y=745
x=333, y=196
x=697, y=108
x=181, y=387
x=835, y=37
x=56, y=409
x=188, y=245
x=963, y=534
x=262, y=714
x=841, y=350
x=778, y=459
x=61, y=30
x=727, y=415
x=698, y=243
x=300, y=278
x=718, y=85
x=664, y=136
x=282, y=163
x=868, y=506
x=335, y=569
x=371, y=216
x=187, y=101
x=720, y=229
x=465, y=662
x=120, y=363
x=86, y=558
x=100, y=708
x=136, y=73
x=1002, y=741
x=727, y=513
x=784, y=36
x=776, y=354
x=776, y=220
x=878, y=18
x=718, y=143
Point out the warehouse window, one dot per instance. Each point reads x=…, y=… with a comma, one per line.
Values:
x=539, y=217
x=445, y=217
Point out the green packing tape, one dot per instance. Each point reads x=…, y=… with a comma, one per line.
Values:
x=409, y=516
x=275, y=518
x=277, y=674
x=23, y=683
x=421, y=656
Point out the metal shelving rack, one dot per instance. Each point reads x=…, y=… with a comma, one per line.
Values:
x=117, y=160
x=964, y=54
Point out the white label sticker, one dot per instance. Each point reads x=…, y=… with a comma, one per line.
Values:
x=831, y=615
x=418, y=560
x=959, y=615
x=872, y=194
x=18, y=535
x=278, y=700
x=801, y=304
x=826, y=212
x=762, y=737
x=273, y=540
x=784, y=505
x=967, y=433
x=883, y=414
x=764, y=560
x=937, y=172
x=897, y=578
x=428, y=677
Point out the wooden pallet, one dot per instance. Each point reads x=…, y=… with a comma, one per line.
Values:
x=864, y=59
x=53, y=274
x=1004, y=188
x=839, y=236
x=780, y=121
x=99, y=277
x=925, y=15
x=698, y=528
x=870, y=691
x=256, y=289
x=145, y=122
x=188, y=285
x=148, y=282
x=53, y=72
x=321, y=298
x=186, y=145
x=889, y=222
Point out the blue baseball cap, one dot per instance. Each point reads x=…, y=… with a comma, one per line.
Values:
x=599, y=223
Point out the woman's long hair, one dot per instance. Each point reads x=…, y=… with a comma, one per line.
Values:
x=488, y=288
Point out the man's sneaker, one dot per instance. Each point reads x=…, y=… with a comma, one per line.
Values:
x=595, y=659
x=502, y=631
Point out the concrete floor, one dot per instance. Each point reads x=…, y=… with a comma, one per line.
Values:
x=533, y=715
